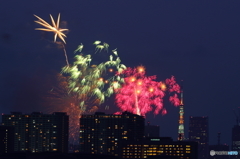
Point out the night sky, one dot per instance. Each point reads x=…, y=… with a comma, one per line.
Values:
x=196, y=41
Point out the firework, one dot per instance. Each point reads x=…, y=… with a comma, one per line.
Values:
x=174, y=89
x=140, y=94
x=58, y=32
x=100, y=46
x=79, y=49
x=54, y=28
x=93, y=83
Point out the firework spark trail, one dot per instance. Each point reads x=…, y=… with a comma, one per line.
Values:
x=58, y=32
x=94, y=82
x=140, y=93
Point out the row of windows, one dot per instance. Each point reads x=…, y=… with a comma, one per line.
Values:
x=155, y=146
x=104, y=116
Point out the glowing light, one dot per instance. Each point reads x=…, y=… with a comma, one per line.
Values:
x=132, y=79
x=139, y=83
x=115, y=52
x=54, y=28
x=97, y=42
x=163, y=86
x=151, y=89
x=141, y=69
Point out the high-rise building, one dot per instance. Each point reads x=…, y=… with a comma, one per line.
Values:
x=151, y=130
x=38, y=132
x=181, y=136
x=198, y=132
x=6, y=139
x=236, y=138
x=107, y=133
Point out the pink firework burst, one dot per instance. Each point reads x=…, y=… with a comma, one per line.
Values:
x=174, y=89
x=141, y=94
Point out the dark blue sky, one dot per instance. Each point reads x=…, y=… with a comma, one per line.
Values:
x=197, y=41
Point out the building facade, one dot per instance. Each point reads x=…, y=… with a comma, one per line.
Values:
x=236, y=138
x=38, y=132
x=107, y=133
x=199, y=132
x=161, y=147
x=6, y=139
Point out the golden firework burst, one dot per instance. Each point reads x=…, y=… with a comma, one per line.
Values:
x=54, y=28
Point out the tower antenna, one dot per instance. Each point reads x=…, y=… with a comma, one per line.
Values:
x=181, y=116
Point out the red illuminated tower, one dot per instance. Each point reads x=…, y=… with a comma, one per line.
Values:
x=181, y=118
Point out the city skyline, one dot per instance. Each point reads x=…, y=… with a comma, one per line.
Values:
x=100, y=133
x=197, y=42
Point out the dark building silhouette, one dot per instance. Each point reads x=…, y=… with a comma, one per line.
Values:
x=151, y=130
x=161, y=147
x=236, y=141
x=218, y=147
x=236, y=138
x=54, y=155
x=38, y=132
x=107, y=133
x=6, y=139
x=199, y=132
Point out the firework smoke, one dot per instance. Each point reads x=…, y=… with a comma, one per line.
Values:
x=59, y=100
